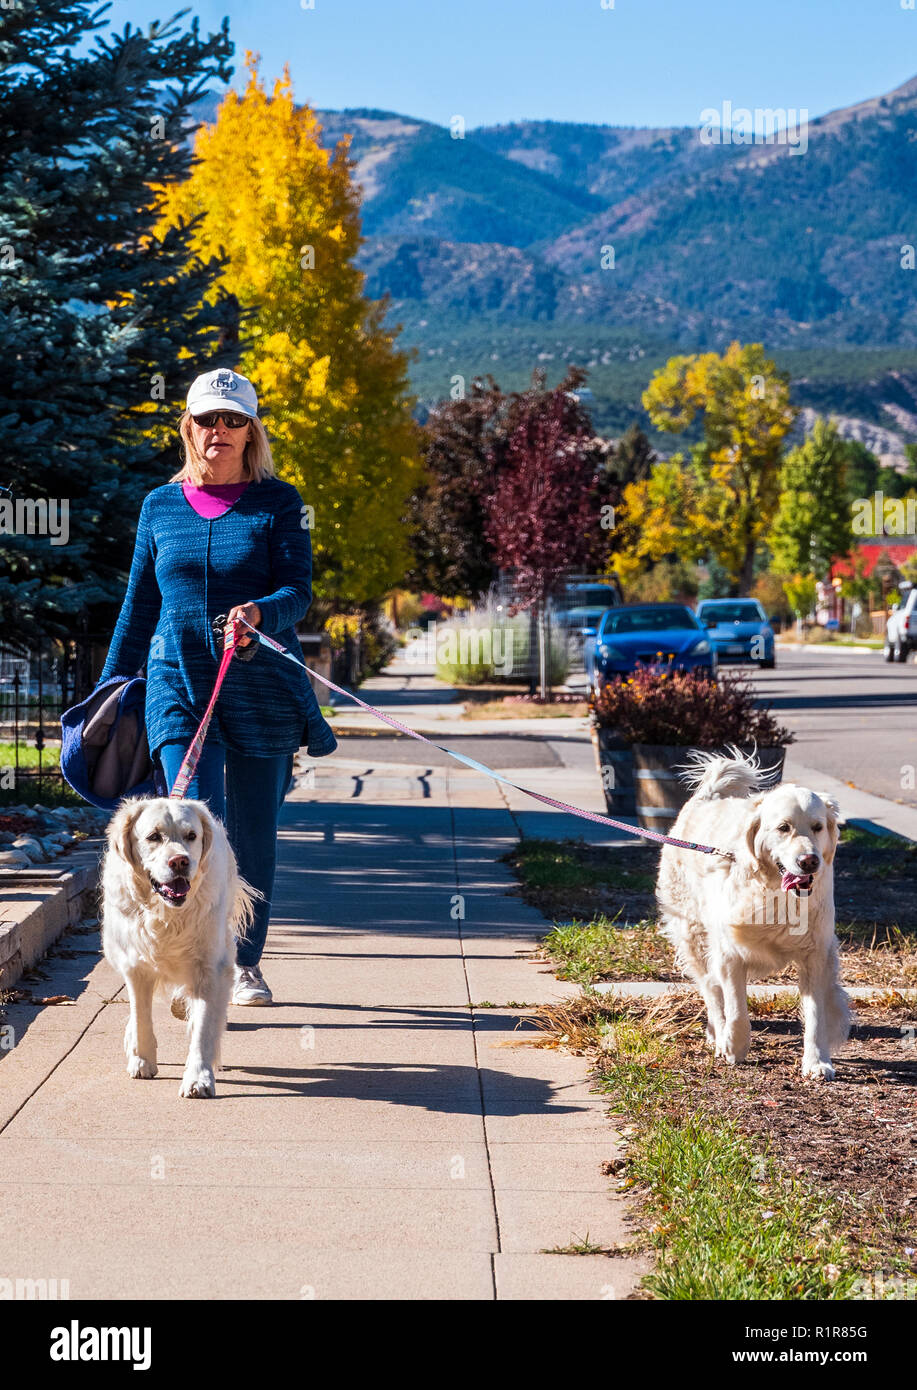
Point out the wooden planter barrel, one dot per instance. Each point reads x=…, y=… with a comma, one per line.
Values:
x=642, y=781
x=659, y=791
x=615, y=761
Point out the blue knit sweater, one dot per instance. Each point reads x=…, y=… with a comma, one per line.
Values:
x=186, y=570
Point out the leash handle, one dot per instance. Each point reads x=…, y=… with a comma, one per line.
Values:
x=653, y=835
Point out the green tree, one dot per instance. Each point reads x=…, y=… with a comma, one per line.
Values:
x=801, y=593
x=716, y=584
x=908, y=569
x=860, y=587
x=464, y=447
x=900, y=482
x=862, y=471
x=632, y=457
x=669, y=581
x=96, y=313
x=812, y=525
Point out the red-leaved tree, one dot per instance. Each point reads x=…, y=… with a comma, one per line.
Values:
x=550, y=511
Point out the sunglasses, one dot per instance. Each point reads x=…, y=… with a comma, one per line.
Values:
x=213, y=418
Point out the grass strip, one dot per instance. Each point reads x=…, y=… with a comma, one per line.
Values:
x=722, y=1218
x=600, y=950
x=562, y=864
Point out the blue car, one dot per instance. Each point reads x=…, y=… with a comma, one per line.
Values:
x=662, y=636
x=739, y=630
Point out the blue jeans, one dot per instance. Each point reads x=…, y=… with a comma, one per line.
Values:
x=246, y=793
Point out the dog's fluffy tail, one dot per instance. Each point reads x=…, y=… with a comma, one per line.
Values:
x=243, y=908
x=712, y=775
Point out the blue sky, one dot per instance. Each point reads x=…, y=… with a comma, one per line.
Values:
x=642, y=62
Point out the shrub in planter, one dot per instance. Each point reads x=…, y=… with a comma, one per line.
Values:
x=644, y=727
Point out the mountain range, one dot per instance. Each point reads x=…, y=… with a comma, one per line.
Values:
x=542, y=243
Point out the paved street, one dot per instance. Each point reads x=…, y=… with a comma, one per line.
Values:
x=855, y=717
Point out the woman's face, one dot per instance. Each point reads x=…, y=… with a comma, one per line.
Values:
x=221, y=446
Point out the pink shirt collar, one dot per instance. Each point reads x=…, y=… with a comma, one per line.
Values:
x=213, y=499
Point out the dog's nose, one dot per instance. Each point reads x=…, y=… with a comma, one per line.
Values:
x=809, y=863
x=180, y=863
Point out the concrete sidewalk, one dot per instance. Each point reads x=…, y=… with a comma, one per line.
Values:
x=372, y=1135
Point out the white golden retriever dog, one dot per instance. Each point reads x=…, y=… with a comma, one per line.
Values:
x=173, y=907
x=770, y=905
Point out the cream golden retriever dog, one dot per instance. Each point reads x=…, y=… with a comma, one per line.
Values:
x=173, y=906
x=769, y=905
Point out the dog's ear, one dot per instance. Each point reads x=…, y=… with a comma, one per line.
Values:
x=121, y=831
x=832, y=820
x=121, y=840
x=753, y=828
x=210, y=828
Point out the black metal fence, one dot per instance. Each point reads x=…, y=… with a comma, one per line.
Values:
x=347, y=666
x=38, y=682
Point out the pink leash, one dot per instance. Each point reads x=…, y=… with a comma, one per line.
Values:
x=461, y=757
x=196, y=746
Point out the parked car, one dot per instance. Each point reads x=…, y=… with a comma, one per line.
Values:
x=739, y=630
x=656, y=635
x=901, y=629
x=578, y=609
x=581, y=603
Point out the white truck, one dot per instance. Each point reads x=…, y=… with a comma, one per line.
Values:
x=901, y=628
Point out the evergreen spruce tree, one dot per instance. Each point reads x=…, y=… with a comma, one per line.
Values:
x=632, y=458
x=103, y=323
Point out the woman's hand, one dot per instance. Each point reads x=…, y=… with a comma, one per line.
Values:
x=251, y=613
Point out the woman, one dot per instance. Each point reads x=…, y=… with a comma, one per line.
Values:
x=225, y=537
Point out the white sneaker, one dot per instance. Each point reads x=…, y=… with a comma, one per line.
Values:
x=250, y=986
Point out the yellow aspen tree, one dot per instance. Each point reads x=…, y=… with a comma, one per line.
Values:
x=743, y=401
x=285, y=212
x=659, y=518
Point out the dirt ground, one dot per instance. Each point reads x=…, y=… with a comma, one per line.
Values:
x=855, y=1136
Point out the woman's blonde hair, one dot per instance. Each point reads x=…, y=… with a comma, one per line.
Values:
x=257, y=460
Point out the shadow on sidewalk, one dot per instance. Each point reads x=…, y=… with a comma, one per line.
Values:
x=439, y=1089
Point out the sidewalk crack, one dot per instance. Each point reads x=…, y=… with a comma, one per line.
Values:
x=474, y=1043
x=76, y=1042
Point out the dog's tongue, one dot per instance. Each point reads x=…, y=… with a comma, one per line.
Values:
x=178, y=888
x=795, y=881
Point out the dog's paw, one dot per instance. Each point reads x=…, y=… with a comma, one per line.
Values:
x=731, y=1055
x=818, y=1071
x=141, y=1069
x=198, y=1085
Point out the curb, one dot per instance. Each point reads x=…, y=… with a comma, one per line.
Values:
x=38, y=905
x=827, y=649
x=651, y=989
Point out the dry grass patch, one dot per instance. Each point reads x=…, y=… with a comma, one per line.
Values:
x=750, y=1182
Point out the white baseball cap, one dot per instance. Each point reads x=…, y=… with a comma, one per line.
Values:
x=222, y=390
